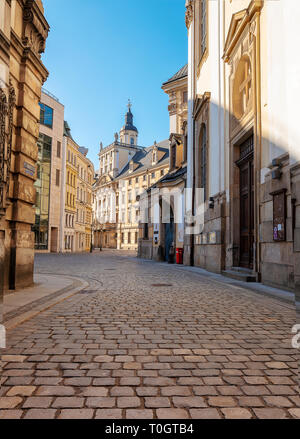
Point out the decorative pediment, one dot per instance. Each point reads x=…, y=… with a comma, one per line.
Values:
x=199, y=103
x=238, y=24
x=105, y=180
x=133, y=166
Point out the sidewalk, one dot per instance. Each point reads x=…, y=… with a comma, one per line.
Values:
x=255, y=287
x=47, y=291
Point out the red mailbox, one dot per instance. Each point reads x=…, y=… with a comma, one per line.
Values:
x=179, y=256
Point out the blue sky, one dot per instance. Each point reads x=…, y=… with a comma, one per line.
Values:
x=100, y=53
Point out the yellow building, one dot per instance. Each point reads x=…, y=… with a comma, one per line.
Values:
x=70, y=194
x=83, y=223
x=78, y=180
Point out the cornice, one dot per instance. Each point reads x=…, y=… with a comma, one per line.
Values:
x=36, y=27
x=189, y=13
x=4, y=44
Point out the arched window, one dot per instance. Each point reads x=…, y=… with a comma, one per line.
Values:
x=203, y=24
x=203, y=160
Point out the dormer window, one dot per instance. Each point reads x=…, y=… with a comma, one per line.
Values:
x=154, y=157
x=131, y=166
x=173, y=157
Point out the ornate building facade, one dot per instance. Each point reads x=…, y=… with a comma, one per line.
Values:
x=243, y=148
x=125, y=171
x=164, y=234
x=23, y=34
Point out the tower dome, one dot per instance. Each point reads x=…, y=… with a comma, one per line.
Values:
x=129, y=133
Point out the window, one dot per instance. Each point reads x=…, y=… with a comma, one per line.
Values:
x=137, y=179
x=185, y=145
x=153, y=175
x=173, y=157
x=57, y=177
x=136, y=237
x=161, y=172
x=146, y=231
x=132, y=141
x=42, y=186
x=144, y=177
x=203, y=160
x=58, y=149
x=46, y=115
x=122, y=238
x=203, y=33
x=185, y=97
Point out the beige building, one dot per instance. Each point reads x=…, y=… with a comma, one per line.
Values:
x=112, y=160
x=160, y=238
x=126, y=170
x=243, y=142
x=144, y=169
x=49, y=183
x=23, y=34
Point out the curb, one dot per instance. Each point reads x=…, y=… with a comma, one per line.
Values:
x=45, y=303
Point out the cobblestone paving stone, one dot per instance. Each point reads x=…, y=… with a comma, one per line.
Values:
x=126, y=349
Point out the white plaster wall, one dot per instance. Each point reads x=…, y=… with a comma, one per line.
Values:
x=211, y=80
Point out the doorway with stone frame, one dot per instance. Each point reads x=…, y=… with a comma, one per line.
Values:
x=243, y=209
x=246, y=203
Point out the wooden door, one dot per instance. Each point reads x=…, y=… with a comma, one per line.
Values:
x=246, y=213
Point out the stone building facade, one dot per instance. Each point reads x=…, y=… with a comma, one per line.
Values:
x=23, y=34
x=243, y=146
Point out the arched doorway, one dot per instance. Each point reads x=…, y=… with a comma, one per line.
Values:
x=169, y=235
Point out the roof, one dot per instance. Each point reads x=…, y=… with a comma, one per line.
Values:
x=83, y=150
x=144, y=160
x=169, y=177
x=67, y=130
x=182, y=73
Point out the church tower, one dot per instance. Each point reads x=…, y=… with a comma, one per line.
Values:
x=129, y=133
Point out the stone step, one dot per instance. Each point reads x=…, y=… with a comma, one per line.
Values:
x=240, y=275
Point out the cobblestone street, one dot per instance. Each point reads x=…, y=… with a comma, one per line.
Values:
x=149, y=340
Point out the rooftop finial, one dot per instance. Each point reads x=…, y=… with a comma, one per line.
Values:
x=129, y=105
